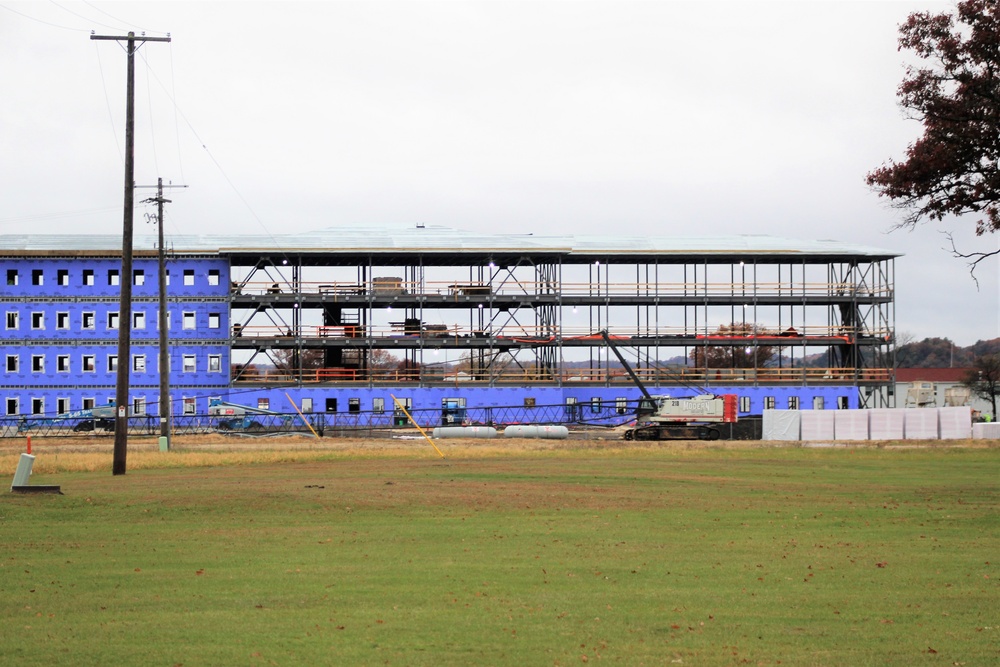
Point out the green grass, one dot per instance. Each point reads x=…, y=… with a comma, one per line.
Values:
x=647, y=557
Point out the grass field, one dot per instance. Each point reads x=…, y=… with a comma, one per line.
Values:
x=653, y=555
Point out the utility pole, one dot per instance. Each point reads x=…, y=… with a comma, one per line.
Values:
x=164, y=365
x=125, y=279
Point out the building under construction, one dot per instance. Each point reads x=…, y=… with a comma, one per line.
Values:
x=341, y=320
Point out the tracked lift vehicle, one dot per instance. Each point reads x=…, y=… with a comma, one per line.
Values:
x=667, y=418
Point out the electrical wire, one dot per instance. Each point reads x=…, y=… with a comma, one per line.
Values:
x=81, y=16
x=217, y=164
x=98, y=9
x=38, y=20
x=152, y=132
x=107, y=101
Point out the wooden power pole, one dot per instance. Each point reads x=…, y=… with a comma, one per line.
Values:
x=164, y=361
x=125, y=278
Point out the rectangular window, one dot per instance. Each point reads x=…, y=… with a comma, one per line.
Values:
x=818, y=403
x=263, y=404
x=138, y=277
x=62, y=363
x=529, y=401
x=307, y=405
x=139, y=363
x=595, y=405
x=62, y=320
x=89, y=403
x=331, y=405
x=215, y=363
x=113, y=277
x=38, y=363
x=793, y=402
x=378, y=405
x=113, y=320
x=139, y=320
x=112, y=363
x=38, y=406
x=139, y=405
x=189, y=364
x=38, y=320
x=621, y=405
x=167, y=276
x=87, y=363
x=13, y=321
x=354, y=405
x=62, y=405
x=13, y=362
x=189, y=406
x=188, y=321
x=12, y=277
x=87, y=320
x=213, y=276
x=843, y=403
x=214, y=320
x=88, y=277
x=189, y=276
x=12, y=406
x=62, y=277
x=37, y=277
x=769, y=402
x=744, y=404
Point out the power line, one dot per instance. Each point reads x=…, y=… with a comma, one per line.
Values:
x=81, y=16
x=38, y=20
x=98, y=9
x=107, y=102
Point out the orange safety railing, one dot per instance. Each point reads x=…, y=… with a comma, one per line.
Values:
x=463, y=288
x=614, y=376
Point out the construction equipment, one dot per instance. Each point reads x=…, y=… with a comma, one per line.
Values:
x=100, y=417
x=235, y=417
x=921, y=394
x=453, y=412
x=668, y=418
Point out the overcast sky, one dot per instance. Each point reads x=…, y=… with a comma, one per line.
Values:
x=666, y=118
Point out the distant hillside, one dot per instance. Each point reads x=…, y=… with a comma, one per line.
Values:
x=942, y=353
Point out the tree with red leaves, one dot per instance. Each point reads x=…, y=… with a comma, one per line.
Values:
x=954, y=168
